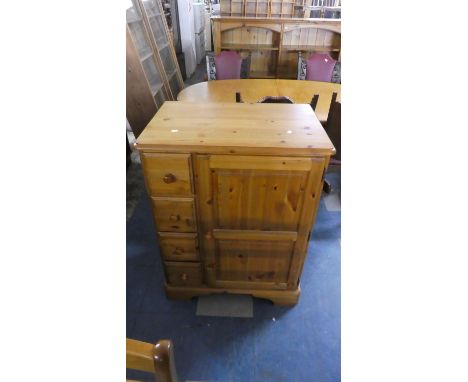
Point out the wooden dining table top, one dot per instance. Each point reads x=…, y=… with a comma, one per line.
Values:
x=252, y=90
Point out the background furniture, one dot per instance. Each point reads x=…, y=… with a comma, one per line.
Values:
x=333, y=129
x=234, y=188
x=318, y=67
x=157, y=359
x=274, y=43
x=333, y=126
x=199, y=25
x=253, y=90
x=274, y=99
x=277, y=8
x=227, y=58
x=153, y=75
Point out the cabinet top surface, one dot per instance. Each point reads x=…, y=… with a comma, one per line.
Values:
x=236, y=128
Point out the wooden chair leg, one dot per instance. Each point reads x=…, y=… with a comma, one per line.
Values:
x=327, y=188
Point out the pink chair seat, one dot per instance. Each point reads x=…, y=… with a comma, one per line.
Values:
x=228, y=65
x=320, y=67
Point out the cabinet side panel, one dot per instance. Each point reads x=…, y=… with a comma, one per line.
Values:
x=309, y=211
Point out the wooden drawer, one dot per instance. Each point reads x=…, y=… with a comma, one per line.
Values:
x=183, y=274
x=167, y=174
x=179, y=246
x=174, y=214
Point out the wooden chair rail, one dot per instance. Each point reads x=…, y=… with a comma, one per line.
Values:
x=157, y=359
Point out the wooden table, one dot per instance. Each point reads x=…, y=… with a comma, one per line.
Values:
x=253, y=90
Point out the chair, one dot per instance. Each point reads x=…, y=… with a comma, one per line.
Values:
x=319, y=67
x=275, y=99
x=333, y=129
x=314, y=101
x=157, y=359
x=227, y=65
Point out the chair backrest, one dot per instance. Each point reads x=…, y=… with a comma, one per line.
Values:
x=314, y=101
x=212, y=70
x=275, y=99
x=228, y=65
x=157, y=359
x=320, y=67
x=333, y=126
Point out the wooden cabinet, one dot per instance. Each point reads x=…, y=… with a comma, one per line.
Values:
x=250, y=178
x=153, y=74
x=274, y=43
x=281, y=8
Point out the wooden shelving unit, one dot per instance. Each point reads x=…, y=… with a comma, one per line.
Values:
x=274, y=43
x=280, y=8
x=251, y=47
x=309, y=48
x=153, y=74
x=264, y=8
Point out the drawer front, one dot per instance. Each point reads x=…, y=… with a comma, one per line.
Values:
x=183, y=274
x=174, y=214
x=179, y=246
x=167, y=174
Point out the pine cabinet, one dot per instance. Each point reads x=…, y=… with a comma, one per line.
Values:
x=234, y=190
x=153, y=74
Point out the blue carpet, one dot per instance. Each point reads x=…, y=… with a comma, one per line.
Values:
x=301, y=343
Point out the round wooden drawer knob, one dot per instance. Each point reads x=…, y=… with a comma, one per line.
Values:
x=184, y=276
x=169, y=178
x=174, y=217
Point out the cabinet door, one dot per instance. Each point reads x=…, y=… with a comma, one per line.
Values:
x=148, y=59
x=163, y=42
x=255, y=215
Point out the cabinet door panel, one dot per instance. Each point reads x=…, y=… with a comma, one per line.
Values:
x=253, y=261
x=255, y=215
x=257, y=199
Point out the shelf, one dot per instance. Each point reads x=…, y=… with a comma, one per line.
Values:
x=309, y=48
x=249, y=46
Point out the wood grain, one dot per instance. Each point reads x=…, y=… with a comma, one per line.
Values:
x=174, y=214
x=157, y=359
x=278, y=297
x=252, y=90
x=167, y=174
x=270, y=129
x=186, y=274
x=245, y=222
x=179, y=246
